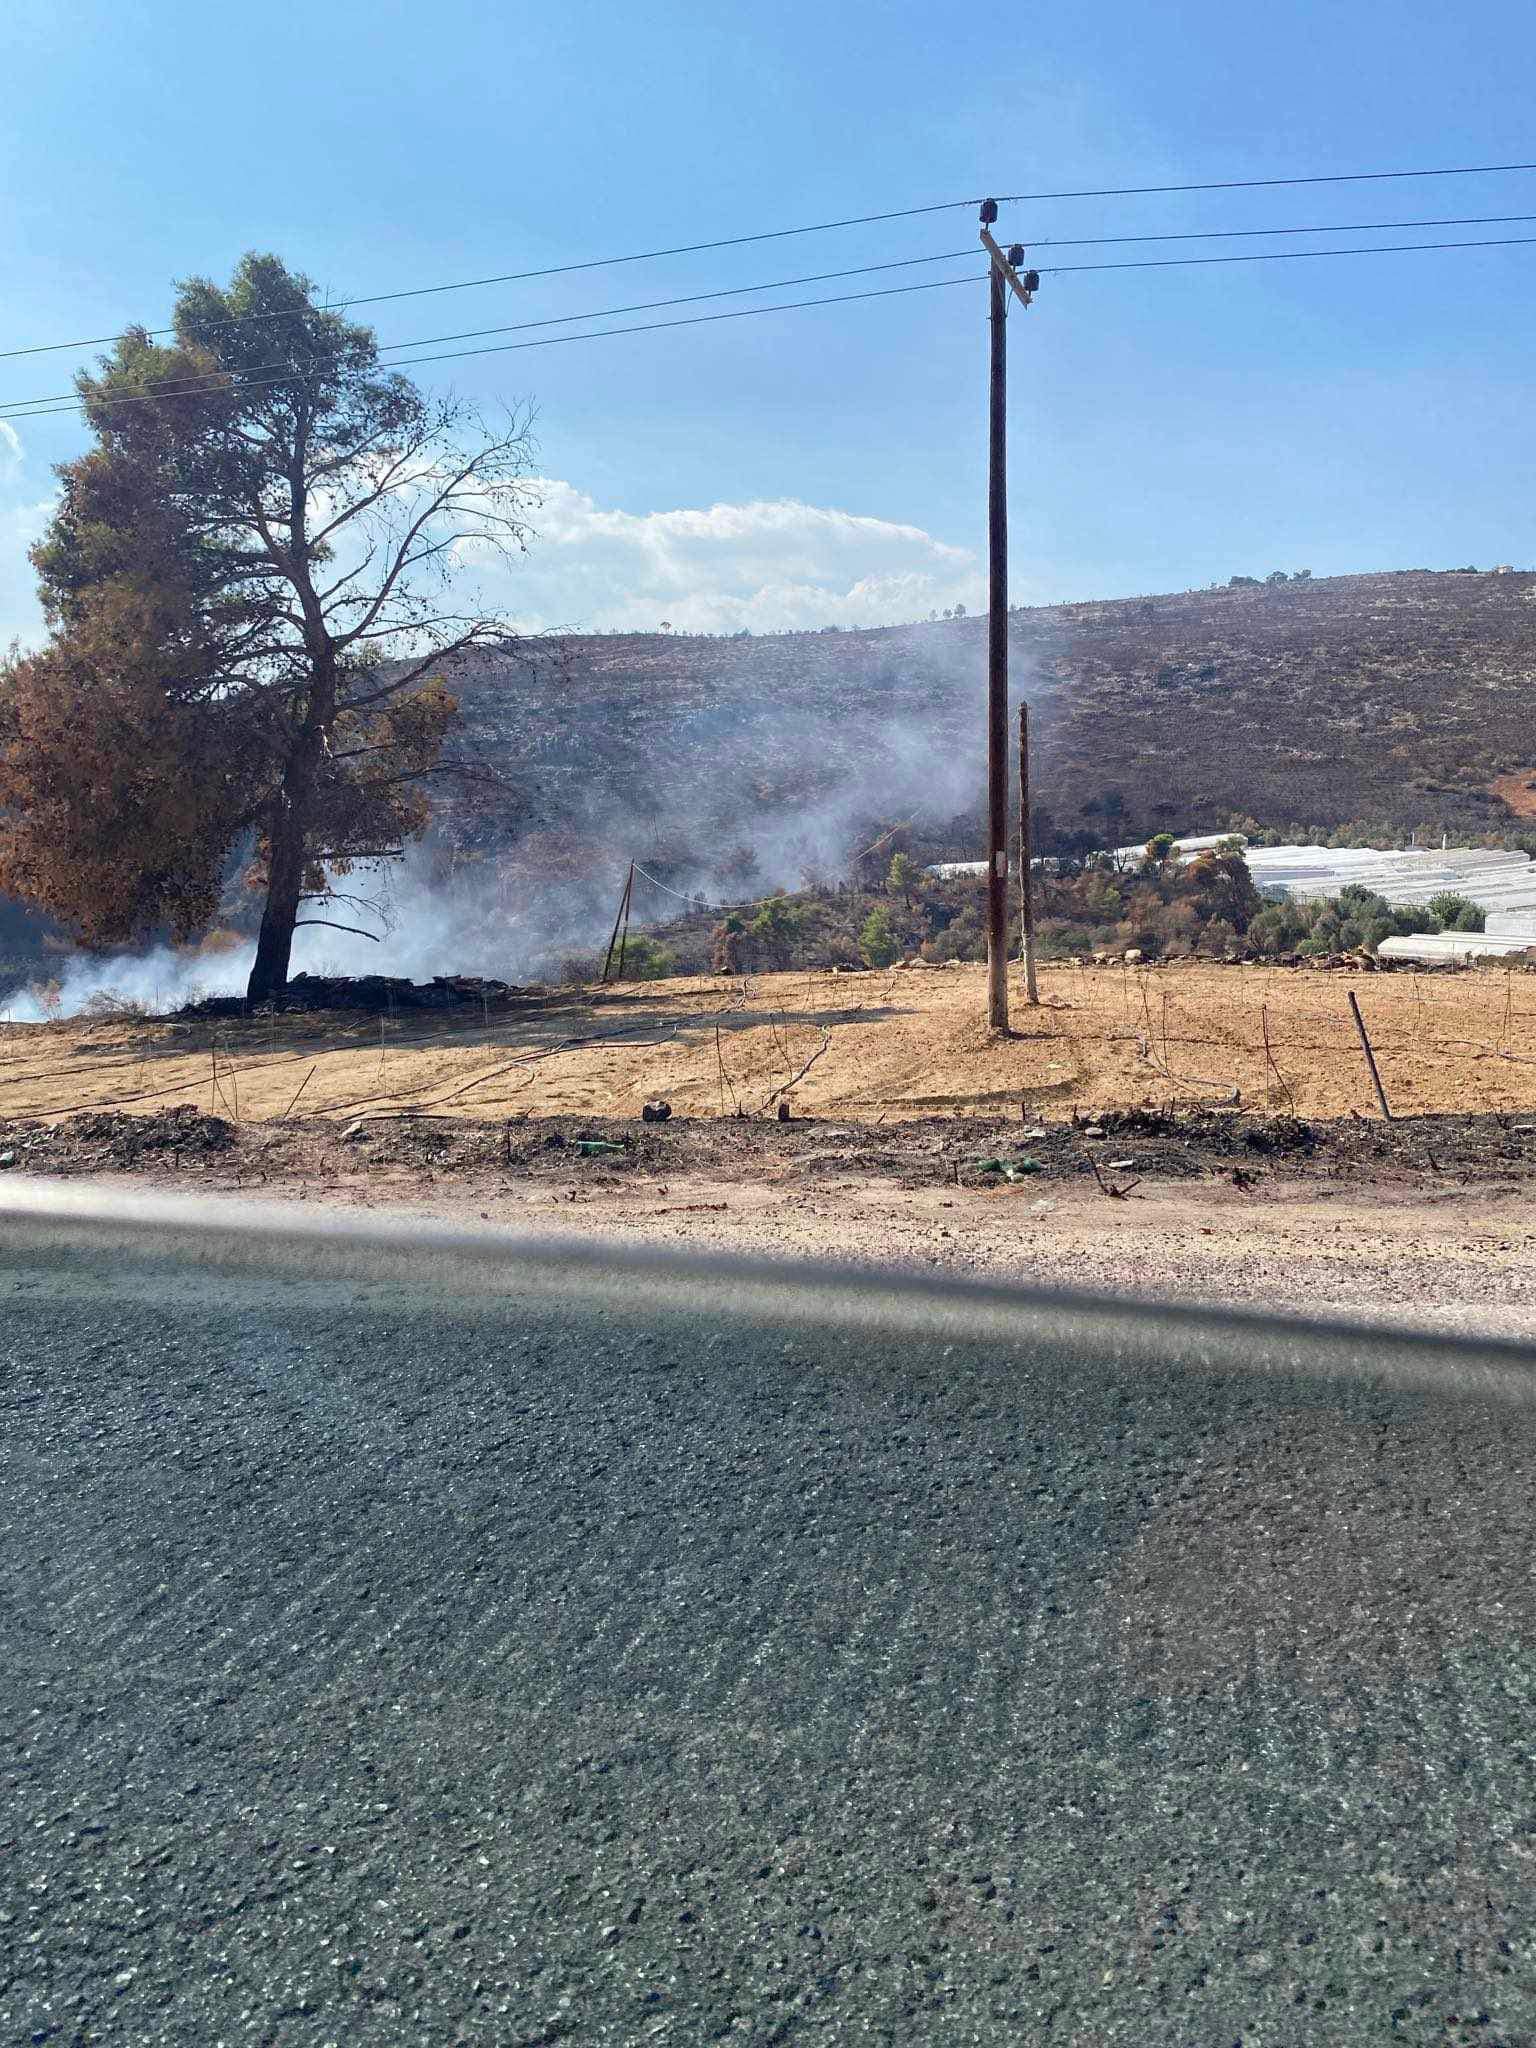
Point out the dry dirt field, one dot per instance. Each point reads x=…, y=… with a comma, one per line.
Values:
x=872, y=1047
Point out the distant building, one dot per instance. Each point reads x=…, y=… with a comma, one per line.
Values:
x=1503, y=568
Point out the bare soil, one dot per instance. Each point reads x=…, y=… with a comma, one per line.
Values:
x=872, y=1047
x=1517, y=791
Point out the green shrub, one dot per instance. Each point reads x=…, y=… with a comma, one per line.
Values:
x=1452, y=913
x=878, y=941
x=647, y=959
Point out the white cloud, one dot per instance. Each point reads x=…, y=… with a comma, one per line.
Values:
x=22, y=520
x=765, y=565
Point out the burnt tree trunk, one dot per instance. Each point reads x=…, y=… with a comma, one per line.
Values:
x=288, y=837
x=285, y=886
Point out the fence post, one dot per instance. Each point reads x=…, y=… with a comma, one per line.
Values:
x=1370, y=1057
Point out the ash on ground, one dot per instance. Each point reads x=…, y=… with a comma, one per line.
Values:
x=1119, y=1149
x=376, y=993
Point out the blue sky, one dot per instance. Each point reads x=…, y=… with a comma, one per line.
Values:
x=1170, y=427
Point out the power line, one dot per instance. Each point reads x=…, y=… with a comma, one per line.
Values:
x=1257, y=184
x=1285, y=255
x=821, y=228
x=1341, y=227
x=553, y=340
x=207, y=381
x=19, y=408
x=849, y=298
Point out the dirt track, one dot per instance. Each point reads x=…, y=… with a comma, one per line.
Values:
x=1428, y=1222
x=873, y=1046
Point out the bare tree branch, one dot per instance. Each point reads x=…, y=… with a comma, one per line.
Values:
x=332, y=927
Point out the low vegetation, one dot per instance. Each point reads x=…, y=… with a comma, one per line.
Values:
x=1162, y=906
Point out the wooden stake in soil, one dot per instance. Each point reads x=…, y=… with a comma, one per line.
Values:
x=1269, y=1055
x=298, y=1092
x=1370, y=1057
x=216, y=1095
x=1026, y=865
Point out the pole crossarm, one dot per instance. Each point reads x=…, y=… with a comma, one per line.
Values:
x=1005, y=268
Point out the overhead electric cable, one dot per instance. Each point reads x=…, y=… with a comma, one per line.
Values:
x=848, y=298
x=548, y=340
x=821, y=228
x=1285, y=255
x=18, y=408
x=1338, y=227
x=176, y=387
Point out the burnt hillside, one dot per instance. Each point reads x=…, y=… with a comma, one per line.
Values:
x=1397, y=698
x=1390, y=699
x=729, y=739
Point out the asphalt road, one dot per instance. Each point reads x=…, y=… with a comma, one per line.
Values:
x=389, y=1659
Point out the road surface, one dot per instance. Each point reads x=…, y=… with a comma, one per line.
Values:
x=411, y=1644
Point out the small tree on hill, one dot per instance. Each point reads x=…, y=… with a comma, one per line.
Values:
x=725, y=957
x=878, y=941
x=246, y=582
x=774, y=930
x=901, y=877
x=1220, y=884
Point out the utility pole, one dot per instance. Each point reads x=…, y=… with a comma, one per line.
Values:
x=621, y=919
x=1004, y=278
x=1026, y=863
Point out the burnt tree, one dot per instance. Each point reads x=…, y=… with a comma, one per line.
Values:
x=251, y=589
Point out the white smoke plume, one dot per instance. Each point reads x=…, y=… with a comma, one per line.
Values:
x=520, y=914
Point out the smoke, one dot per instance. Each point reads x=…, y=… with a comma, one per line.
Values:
x=800, y=786
x=424, y=927
x=161, y=979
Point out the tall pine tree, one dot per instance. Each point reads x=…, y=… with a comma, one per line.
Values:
x=249, y=585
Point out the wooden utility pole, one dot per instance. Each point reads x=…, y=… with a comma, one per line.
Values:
x=1003, y=280
x=1026, y=863
x=621, y=919
x=997, y=665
